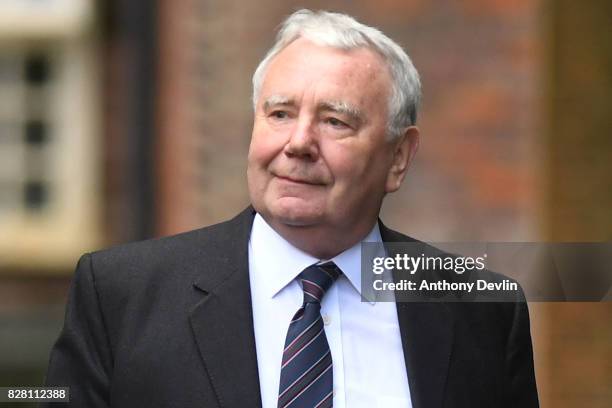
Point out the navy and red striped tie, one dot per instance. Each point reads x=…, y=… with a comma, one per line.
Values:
x=306, y=372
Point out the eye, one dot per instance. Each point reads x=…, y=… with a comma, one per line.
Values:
x=279, y=114
x=337, y=123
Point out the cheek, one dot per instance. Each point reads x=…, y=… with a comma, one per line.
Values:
x=348, y=162
x=265, y=146
x=258, y=160
x=360, y=170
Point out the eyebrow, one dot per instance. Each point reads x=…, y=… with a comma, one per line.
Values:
x=343, y=108
x=276, y=100
x=340, y=107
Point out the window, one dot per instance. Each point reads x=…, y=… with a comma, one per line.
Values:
x=49, y=131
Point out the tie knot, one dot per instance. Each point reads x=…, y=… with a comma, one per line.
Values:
x=317, y=279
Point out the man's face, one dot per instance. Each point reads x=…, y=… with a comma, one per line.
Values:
x=319, y=155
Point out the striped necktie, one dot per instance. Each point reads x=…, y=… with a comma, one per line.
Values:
x=306, y=379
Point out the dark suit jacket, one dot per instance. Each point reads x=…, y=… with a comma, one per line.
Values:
x=168, y=323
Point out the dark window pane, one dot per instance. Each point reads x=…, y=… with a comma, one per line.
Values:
x=35, y=132
x=36, y=195
x=36, y=69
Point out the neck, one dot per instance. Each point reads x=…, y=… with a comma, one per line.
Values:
x=322, y=242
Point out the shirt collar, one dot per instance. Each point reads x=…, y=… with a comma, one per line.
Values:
x=283, y=262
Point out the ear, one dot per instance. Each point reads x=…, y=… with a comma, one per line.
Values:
x=404, y=150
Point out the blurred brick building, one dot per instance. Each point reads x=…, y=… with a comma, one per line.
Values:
x=516, y=137
x=516, y=146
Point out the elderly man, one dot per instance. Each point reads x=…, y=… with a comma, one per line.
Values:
x=265, y=309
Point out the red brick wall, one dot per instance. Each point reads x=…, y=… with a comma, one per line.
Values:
x=491, y=165
x=476, y=175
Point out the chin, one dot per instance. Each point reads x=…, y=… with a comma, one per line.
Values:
x=295, y=212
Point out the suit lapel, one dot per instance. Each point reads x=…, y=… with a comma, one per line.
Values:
x=427, y=336
x=222, y=321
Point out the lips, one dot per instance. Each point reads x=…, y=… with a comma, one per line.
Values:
x=298, y=181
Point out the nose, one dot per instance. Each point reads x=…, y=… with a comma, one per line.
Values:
x=303, y=141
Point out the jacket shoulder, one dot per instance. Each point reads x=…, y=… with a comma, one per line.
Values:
x=170, y=255
x=194, y=241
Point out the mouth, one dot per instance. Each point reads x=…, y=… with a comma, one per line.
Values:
x=298, y=181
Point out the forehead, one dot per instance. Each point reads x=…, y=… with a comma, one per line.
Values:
x=306, y=69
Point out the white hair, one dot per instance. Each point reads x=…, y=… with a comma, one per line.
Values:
x=344, y=32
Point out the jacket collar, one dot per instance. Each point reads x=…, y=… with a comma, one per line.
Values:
x=427, y=337
x=222, y=322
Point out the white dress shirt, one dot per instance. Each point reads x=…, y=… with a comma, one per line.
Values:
x=364, y=337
